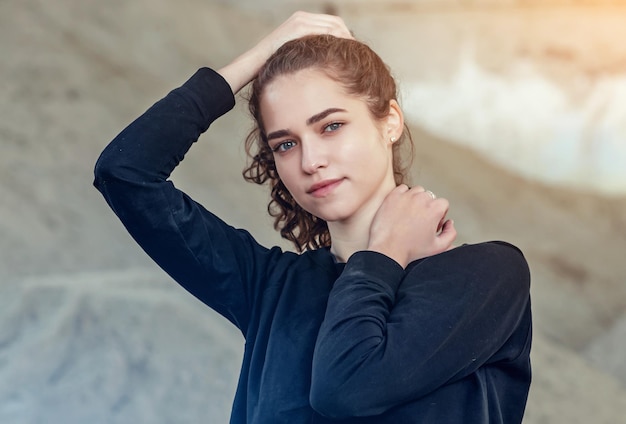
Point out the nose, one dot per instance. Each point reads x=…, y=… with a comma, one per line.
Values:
x=313, y=156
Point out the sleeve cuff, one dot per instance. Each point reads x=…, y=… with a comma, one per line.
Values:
x=377, y=267
x=211, y=93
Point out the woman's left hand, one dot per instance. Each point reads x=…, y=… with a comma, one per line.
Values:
x=411, y=224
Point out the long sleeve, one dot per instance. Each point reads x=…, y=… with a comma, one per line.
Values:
x=392, y=336
x=212, y=260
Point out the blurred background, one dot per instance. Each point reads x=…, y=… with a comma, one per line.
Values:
x=518, y=111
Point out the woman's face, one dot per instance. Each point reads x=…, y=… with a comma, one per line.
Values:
x=332, y=155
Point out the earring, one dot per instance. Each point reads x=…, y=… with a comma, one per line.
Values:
x=393, y=139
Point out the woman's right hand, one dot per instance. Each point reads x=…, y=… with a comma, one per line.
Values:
x=243, y=69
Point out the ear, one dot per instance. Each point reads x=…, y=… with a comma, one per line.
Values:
x=394, y=121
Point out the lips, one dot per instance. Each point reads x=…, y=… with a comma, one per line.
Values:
x=323, y=188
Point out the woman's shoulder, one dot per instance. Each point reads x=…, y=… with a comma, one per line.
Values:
x=501, y=245
x=487, y=260
x=489, y=251
x=493, y=258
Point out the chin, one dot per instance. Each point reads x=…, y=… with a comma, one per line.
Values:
x=331, y=209
x=331, y=215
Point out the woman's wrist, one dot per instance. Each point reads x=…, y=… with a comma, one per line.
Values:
x=384, y=249
x=243, y=69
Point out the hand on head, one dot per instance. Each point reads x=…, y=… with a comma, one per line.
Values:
x=301, y=24
x=243, y=69
x=411, y=224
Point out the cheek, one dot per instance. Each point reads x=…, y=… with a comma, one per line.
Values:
x=369, y=148
x=286, y=174
x=281, y=168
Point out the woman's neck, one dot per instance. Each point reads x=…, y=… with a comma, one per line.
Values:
x=345, y=242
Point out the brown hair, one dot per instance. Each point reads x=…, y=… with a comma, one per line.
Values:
x=362, y=73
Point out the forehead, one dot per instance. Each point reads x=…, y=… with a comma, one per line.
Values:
x=303, y=94
x=303, y=82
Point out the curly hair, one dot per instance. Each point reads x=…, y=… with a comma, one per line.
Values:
x=362, y=73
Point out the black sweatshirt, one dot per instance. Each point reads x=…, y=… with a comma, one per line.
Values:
x=446, y=340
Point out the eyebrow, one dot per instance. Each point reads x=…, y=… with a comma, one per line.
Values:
x=316, y=118
x=312, y=120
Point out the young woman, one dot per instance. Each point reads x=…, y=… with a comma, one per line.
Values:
x=377, y=319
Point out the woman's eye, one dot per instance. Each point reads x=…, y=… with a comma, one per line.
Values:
x=283, y=146
x=332, y=127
